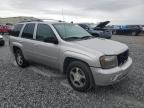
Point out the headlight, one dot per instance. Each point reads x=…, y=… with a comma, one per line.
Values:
x=108, y=62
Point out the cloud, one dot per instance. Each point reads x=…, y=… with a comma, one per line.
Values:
x=119, y=11
x=103, y=5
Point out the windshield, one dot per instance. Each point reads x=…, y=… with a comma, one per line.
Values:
x=69, y=31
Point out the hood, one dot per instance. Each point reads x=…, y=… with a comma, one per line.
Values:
x=102, y=24
x=105, y=46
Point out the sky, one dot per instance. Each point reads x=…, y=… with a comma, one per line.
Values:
x=116, y=11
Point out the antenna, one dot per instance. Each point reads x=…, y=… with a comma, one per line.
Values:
x=63, y=21
x=62, y=14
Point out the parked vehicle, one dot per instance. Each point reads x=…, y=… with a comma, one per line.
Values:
x=2, y=42
x=86, y=60
x=98, y=30
x=5, y=28
x=143, y=28
x=133, y=30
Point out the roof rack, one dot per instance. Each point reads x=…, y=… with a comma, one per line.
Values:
x=52, y=20
x=40, y=20
x=36, y=20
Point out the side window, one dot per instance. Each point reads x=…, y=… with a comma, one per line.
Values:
x=17, y=28
x=28, y=31
x=44, y=32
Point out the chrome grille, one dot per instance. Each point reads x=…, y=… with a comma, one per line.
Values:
x=123, y=57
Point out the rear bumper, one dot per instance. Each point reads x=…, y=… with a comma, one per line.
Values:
x=110, y=76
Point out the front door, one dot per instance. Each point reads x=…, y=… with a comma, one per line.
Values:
x=46, y=53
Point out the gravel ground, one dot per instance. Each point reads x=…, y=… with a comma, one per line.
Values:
x=40, y=87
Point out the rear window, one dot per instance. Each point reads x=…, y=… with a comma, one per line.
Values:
x=28, y=31
x=17, y=28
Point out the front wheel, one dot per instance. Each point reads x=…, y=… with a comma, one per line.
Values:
x=20, y=58
x=79, y=76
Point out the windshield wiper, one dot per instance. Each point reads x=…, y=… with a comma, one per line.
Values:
x=79, y=38
x=72, y=38
x=87, y=37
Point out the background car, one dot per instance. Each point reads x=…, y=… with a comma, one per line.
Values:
x=2, y=42
x=98, y=30
x=5, y=29
x=133, y=30
x=143, y=28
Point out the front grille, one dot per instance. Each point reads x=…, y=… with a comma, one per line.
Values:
x=123, y=57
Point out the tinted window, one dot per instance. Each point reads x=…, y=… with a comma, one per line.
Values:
x=15, y=32
x=28, y=31
x=44, y=32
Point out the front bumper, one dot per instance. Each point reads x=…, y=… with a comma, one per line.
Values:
x=110, y=76
x=107, y=35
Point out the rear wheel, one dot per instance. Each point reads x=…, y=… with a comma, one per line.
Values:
x=96, y=35
x=2, y=44
x=134, y=34
x=20, y=58
x=79, y=76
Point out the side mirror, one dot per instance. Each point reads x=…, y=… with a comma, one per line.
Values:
x=51, y=40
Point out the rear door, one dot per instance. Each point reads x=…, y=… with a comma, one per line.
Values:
x=14, y=36
x=27, y=40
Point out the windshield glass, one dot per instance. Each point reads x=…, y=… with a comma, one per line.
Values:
x=67, y=30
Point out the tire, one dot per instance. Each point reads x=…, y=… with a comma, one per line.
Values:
x=114, y=32
x=95, y=34
x=137, y=34
x=84, y=76
x=2, y=43
x=134, y=34
x=20, y=60
x=108, y=37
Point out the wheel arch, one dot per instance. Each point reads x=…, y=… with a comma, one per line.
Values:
x=69, y=60
x=69, y=56
x=14, y=48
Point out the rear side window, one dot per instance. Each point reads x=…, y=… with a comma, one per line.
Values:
x=17, y=28
x=28, y=31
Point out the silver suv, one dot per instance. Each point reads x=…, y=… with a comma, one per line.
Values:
x=86, y=60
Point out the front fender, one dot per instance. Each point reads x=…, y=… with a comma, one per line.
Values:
x=92, y=62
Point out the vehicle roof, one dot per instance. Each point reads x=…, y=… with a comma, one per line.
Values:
x=46, y=22
x=85, y=23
